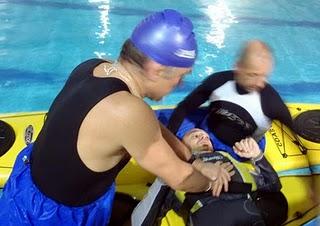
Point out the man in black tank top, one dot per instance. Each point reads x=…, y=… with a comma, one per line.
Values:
x=241, y=102
x=99, y=120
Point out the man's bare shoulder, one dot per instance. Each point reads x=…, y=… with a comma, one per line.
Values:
x=126, y=106
x=131, y=121
x=128, y=114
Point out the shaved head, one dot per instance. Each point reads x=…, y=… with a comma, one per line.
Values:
x=254, y=66
x=254, y=49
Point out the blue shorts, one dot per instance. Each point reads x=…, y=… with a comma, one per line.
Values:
x=23, y=204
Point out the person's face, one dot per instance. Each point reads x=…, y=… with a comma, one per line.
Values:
x=253, y=75
x=165, y=79
x=197, y=140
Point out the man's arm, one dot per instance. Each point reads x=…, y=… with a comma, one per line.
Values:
x=138, y=131
x=265, y=176
x=178, y=147
x=196, y=98
x=274, y=107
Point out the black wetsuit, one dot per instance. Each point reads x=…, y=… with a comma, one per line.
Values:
x=234, y=207
x=233, y=112
x=56, y=168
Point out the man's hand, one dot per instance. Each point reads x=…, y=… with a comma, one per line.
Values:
x=219, y=173
x=247, y=148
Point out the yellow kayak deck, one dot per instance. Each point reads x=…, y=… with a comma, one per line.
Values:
x=298, y=166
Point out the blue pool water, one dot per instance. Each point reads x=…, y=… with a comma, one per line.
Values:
x=41, y=41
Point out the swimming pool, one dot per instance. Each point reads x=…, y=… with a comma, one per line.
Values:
x=41, y=41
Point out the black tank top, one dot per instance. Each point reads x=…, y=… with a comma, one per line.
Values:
x=56, y=167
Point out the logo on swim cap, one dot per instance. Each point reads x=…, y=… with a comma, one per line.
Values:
x=166, y=37
x=191, y=54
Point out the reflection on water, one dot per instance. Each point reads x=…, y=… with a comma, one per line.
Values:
x=221, y=18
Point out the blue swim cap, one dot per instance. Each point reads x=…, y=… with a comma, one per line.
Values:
x=167, y=38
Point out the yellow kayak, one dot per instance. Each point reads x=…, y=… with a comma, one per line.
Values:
x=295, y=158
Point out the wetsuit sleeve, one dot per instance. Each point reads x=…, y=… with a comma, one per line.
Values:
x=266, y=177
x=196, y=98
x=274, y=107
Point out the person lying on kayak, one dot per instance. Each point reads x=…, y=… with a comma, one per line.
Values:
x=253, y=198
x=265, y=211
x=97, y=122
x=241, y=102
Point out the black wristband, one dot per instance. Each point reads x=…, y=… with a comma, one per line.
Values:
x=191, y=160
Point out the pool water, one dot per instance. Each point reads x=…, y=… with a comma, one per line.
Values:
x=41, y=41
